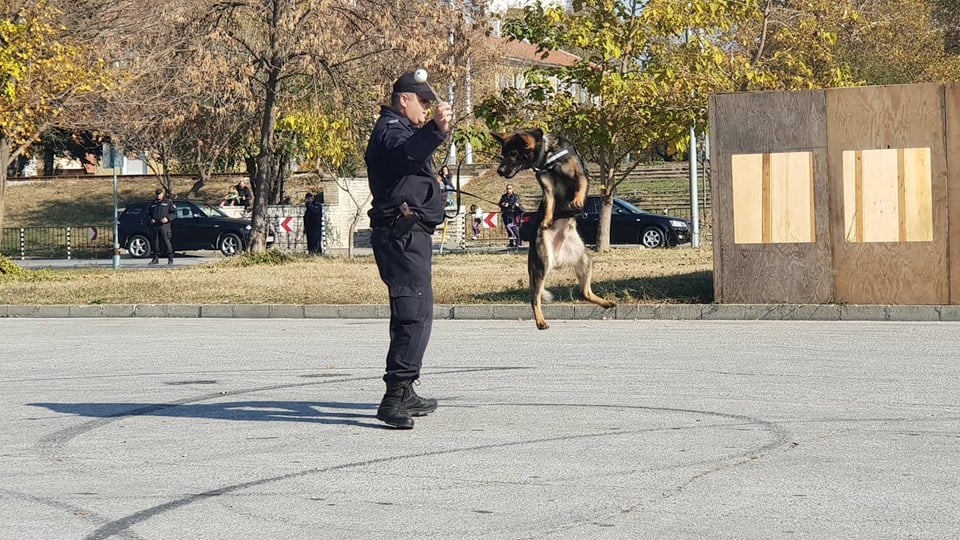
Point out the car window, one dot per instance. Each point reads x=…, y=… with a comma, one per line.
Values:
x=210, y=211
x=133, y=210
x=184, y=211
x=629, y=208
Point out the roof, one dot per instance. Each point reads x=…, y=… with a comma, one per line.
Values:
x=526, y=52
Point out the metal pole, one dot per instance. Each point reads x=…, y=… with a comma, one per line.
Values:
x=694, y=196
x=68, y=243
x=468, y=106
x=116, y=218
x=452, y=155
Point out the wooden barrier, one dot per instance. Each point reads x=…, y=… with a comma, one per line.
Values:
x=837, y=195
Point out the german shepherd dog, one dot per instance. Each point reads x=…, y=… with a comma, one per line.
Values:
x=563, y=179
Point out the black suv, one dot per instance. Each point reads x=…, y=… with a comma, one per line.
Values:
x=198, y=226
x=628, y=225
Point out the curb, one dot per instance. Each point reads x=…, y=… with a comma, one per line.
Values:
x=713, y=312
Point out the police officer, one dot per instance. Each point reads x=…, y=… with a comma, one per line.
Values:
x=161, y=212
x=408, y=204
x=313, y=223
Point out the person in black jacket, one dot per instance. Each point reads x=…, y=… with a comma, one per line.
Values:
x=408, y=204
x=161, y=212
x=245, y=195
x=313, y=223
x=510, y=211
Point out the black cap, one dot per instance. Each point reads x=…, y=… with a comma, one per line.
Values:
x=309, y=196
x=158, y=191
x=407, y=83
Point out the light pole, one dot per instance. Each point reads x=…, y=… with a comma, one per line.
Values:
x=694, y=196
x=116, y=217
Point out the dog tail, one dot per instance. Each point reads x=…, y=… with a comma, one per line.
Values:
x=547, y=296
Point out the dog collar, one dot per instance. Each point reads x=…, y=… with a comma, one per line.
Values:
x=556, y=156
x=548, y=160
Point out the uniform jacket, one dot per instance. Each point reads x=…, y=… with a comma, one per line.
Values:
x=313, y=216
x=162, y=209
x=510, y=204
x=399, y=161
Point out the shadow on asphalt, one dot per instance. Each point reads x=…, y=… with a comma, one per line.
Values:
x=692, y=287
x=321, y=412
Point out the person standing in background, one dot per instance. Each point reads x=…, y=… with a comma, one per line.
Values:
x=161, y=212
x=510, y=211
x=313, y=224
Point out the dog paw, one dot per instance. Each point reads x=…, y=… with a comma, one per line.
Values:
x=542, y=325
x=546, y=224
x=579, y=201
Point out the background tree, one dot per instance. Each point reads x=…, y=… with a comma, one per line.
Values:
x=42, y=70
x=338, y=48
x=177, y=101
x=647, y=68
x=904, y=41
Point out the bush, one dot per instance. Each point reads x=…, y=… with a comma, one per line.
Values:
x=273, y=257
x=9, y=271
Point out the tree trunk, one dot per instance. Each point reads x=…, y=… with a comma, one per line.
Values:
x=607, y=191
x=4, y=164
x=203, y=178
x=264, y=162
x=48, y=161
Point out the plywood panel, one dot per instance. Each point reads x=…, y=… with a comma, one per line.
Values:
x=886, y=118
x=916, y=205
x=791, y=210
x=769, y=123
x=748, y=210
x=952, y=95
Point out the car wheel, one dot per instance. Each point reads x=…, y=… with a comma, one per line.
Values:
x=653, y=237
x=230, y=244
x=139, y=246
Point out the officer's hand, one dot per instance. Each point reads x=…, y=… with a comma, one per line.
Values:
x=443, y=116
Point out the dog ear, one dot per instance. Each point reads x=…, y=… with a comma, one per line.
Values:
x=499, y=137
x=537, y=132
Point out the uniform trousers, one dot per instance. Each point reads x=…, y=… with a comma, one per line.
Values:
x=161, y=236
x=405, y=267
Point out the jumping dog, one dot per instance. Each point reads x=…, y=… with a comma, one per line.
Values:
x=563, y=179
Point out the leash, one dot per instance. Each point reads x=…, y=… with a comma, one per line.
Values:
x=461, y=193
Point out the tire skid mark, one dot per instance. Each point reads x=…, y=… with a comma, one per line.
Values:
x=97, y=519
x=49, y=445
x=780, y=438
x=55, y=442
x=126, y=522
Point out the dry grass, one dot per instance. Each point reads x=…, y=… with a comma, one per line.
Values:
x=630, y=275
x=74, y=202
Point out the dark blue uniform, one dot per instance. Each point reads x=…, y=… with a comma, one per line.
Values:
x=400, y=169
x=158, y=210
x=313, y=225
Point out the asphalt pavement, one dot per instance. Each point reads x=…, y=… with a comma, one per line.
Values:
x=146, y=428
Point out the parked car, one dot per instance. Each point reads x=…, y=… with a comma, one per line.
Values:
x=198, y=226
x=628, y=225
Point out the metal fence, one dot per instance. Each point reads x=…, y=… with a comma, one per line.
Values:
x=83, y=242
x=96, y=241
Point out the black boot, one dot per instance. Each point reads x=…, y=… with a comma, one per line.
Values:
x=170, y=260
x=416, y=405
x=392, y=409
x=154, y=261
